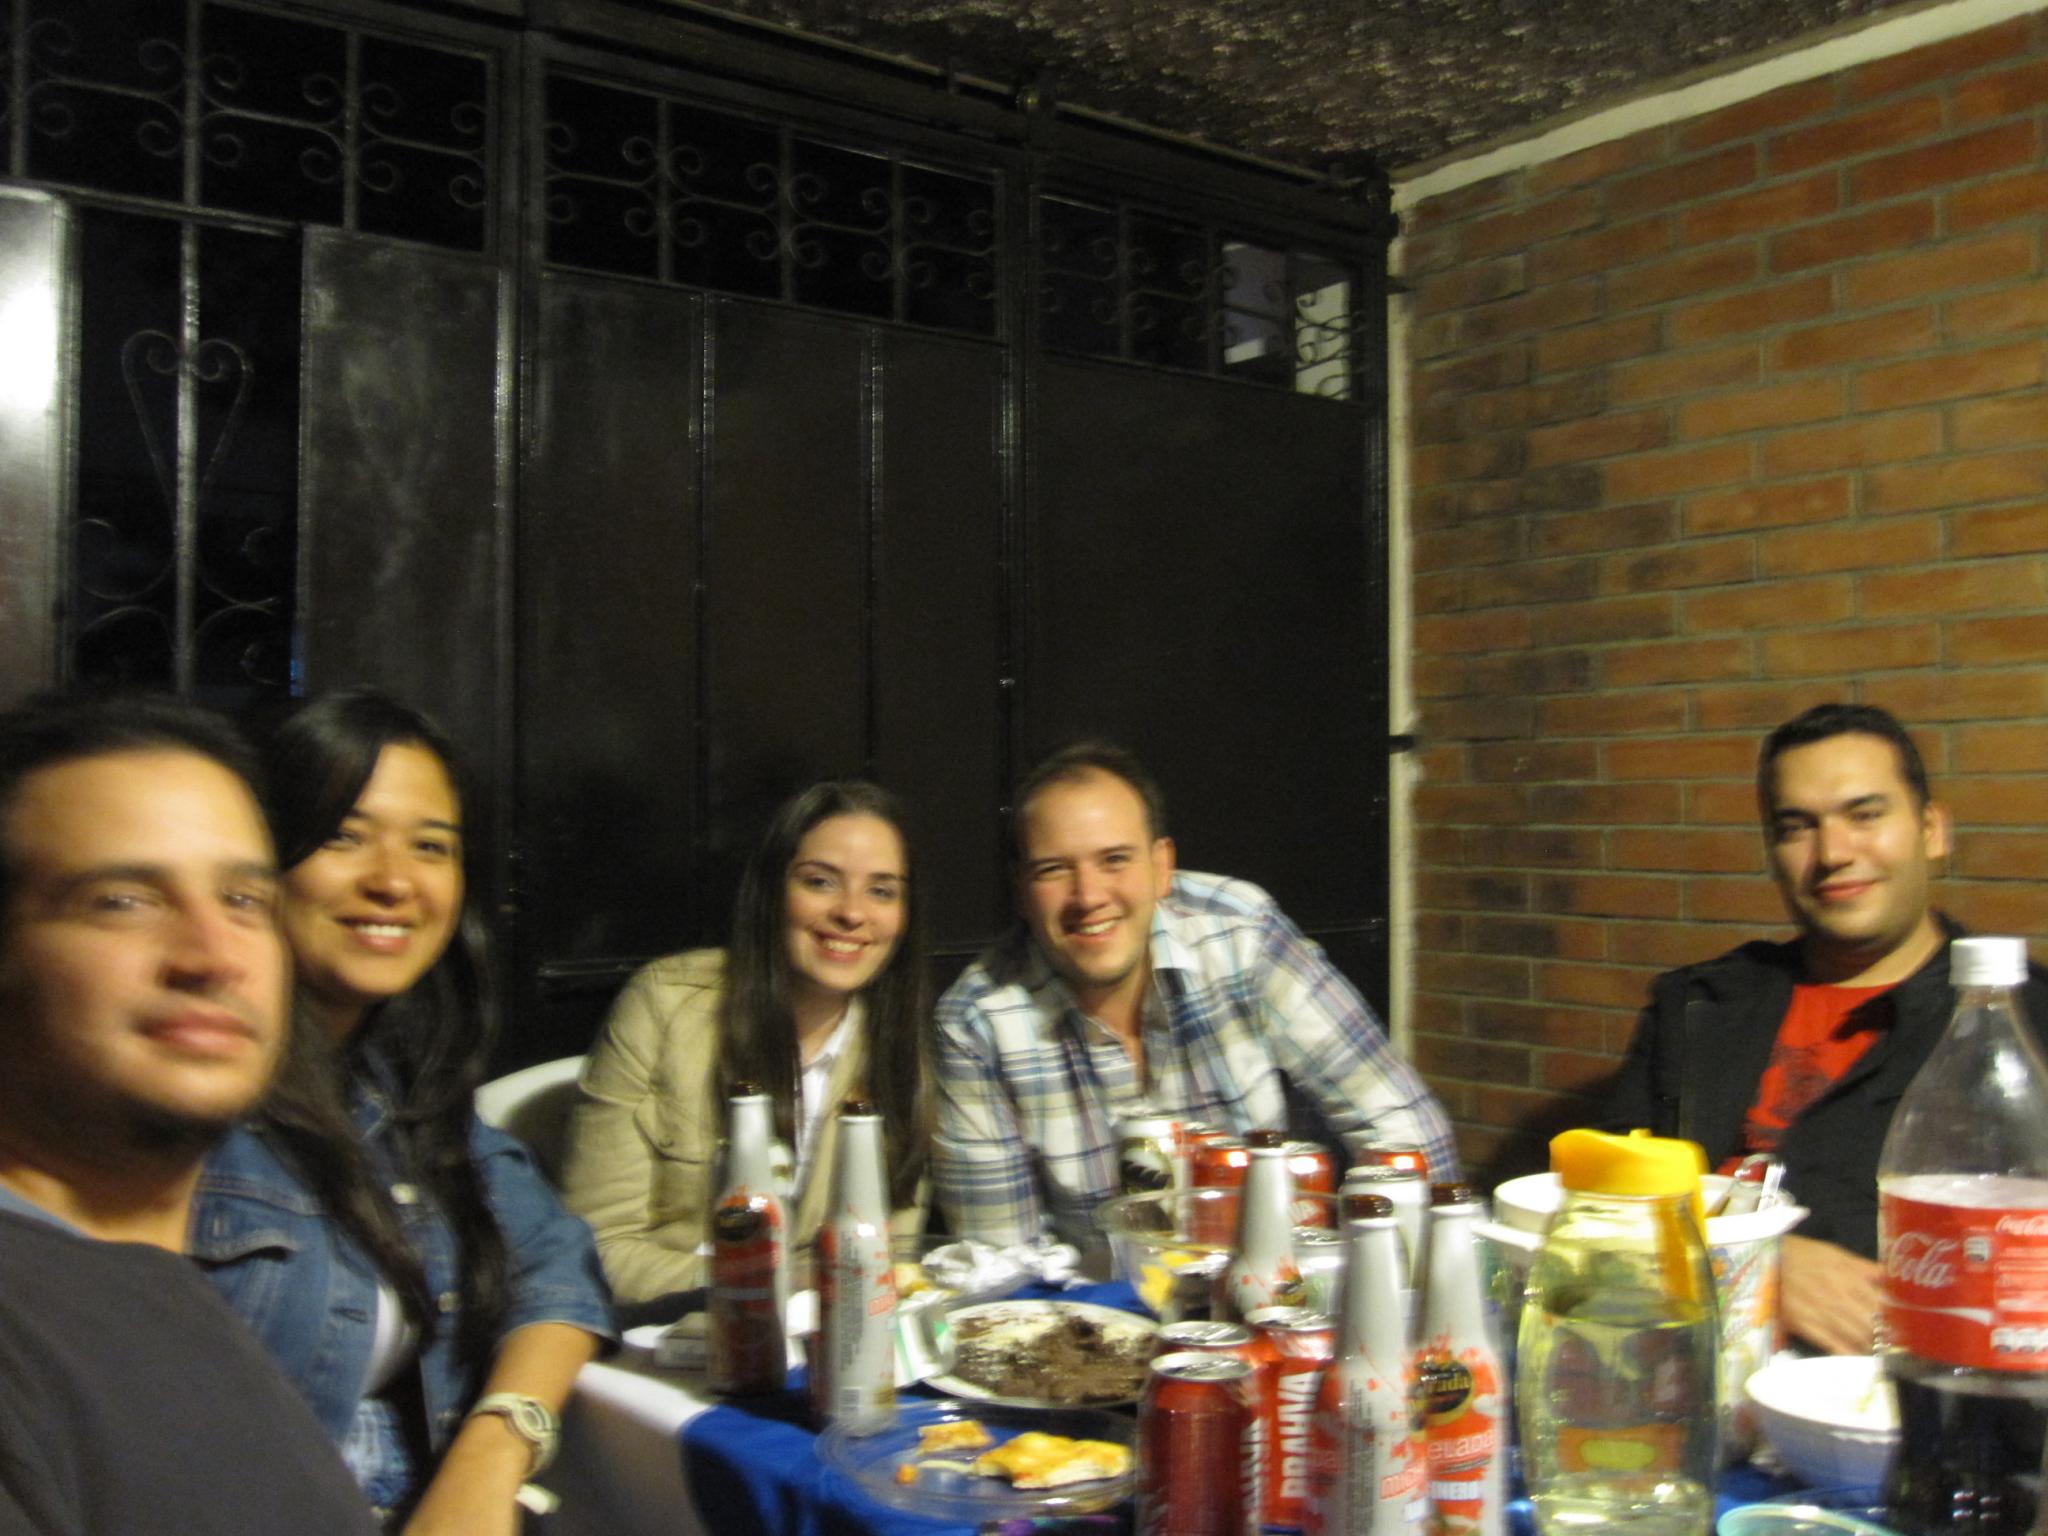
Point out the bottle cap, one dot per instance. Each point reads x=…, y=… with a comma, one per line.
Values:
x=1987, y=962
x=1367, y=1207
x=1595, y=1163
x=1450, y=1194
x=857, y=1106
x=1265, y=1139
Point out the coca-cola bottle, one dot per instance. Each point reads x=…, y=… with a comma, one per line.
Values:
x=1963, y=1237
x=1263, y=1271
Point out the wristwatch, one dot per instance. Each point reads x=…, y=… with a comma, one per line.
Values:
x=532, y=1421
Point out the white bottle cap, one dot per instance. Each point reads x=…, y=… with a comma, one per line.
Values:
x=1987, y=962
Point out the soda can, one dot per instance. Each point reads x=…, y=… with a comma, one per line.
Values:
x=1319, y=1255
x=1315, y=1172
x=1206, y=1336
x=1218, y=1162
x=1292, y=1348
x=1148, y=1156
x=1410, y=1193
x=1199, y=1451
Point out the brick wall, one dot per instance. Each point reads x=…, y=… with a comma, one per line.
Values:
x=1736, y=415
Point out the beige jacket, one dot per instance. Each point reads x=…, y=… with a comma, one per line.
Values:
x=643, y=1138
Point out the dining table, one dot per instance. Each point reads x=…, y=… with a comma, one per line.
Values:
x=648, y=1451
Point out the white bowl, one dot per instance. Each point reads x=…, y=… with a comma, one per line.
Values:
x=1831, y=1419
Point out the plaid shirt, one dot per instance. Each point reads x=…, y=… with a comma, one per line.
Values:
x=1243, y=1006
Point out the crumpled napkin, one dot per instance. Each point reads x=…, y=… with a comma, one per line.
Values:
x=971, y=1268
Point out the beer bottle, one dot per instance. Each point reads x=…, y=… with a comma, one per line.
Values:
x=747, y=1352
x=853, y=1371
x=1262, y=1271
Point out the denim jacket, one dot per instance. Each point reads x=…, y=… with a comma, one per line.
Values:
x=311, y=1295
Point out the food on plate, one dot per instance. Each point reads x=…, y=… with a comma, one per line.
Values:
x=910, y=1279
x=906, y=1474
x=1037, y=1460
x=952, y=1435
x=1050, y=1355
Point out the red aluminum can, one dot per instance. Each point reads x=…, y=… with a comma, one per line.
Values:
x=1315, y=1172
x=1206, y=1336
x=1219, y=1162
x=1198, y=1448
x=1388, y=1155
x=1292, y=1349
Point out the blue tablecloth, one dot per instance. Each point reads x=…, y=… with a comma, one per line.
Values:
x=754, y=1466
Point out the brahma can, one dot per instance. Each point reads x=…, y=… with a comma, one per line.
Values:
x=1199, y=1450
x=1292, y=1348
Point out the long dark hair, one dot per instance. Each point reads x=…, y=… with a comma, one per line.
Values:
x=756, y=1023
x=428, y=1047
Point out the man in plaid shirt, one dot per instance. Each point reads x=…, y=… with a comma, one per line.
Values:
x=1132, y=987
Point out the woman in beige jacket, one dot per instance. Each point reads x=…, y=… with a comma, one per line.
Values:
x=821, y=995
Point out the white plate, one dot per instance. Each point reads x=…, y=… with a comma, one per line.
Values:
x=1041, y=1315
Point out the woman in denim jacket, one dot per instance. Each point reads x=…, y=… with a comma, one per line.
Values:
x=408, y=1266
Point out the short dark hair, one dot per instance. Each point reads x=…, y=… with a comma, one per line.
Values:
x=54, y=728
x=1825, y=721
x=1082, y=760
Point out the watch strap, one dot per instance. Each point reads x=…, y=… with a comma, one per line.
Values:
x=531, y=1419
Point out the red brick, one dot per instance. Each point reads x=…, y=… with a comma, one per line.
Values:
x=1956, y=482
x=1851, y=444
x=1545, y=848
x=1665, y=378
x=1988, y=802
x=2009, y=694
x=1733, y=901
x=1598, y=438
x=1760, y=114
x=1477, y=458
x=1531, y=1024
x=1983, y=153
x=1856, y=134
x=1850, y=341
x=1647, y=476
x=1530, y=672
x=1722, y=170
x=1936, y=61
x=1598, y=163
x=1997, y=642
x=1490, y=370
x=1891, y=227
x=2000, y=908
x=1524, y=227
x=1849, y=651
x=1587, y=346
x=1682, y=757
x=2000, y=423
x=1604, y=528
x=1434, y=337
x=1600, y=250
x=1612, y=714
x=1696, y=272
x=1461, y=203
x=1479, y=544
x=1473, y=1059
x=1994, y=316
x=1770, y=605
x=1606, y=895
x=1544, y=309
x=1761, y=309
x=1774, y=207
x=1757, y=707
x=1466, y=286
x=1534, y=404
x=1801, y=400
x=1520, y=761
x=1719, y=853
x=1710, y=564
x=1476, y=892
x=1850, y=546
x=1600, y=986
x=2000, y=748
x=1508, y=1108
x=1999, y=531
x=1676, y=661
x=2009, y=93
x=1665, y=945
x=1547, y=581
x=1472, y=975
x=2022, y=196
x=1614, y=618
x=1768, y=506
x=1605, y=805
x=1734, y=805
x=1537, y=938
x=1429, y=251
x=1560, y=488
x=1948, y=590
x=1439, y=931
x=1990, y=371
x=1465, y=805
x=1476, y=718
x=1953, y=264
x=1439, y=593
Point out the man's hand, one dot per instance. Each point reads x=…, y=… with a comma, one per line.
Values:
x=1831, y=1296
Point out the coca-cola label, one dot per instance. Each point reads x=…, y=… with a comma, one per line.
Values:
x=1965, y=1285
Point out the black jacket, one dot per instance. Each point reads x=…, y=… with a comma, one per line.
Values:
x=1701, y=1047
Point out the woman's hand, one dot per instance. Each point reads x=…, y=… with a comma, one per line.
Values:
x=474, y=1491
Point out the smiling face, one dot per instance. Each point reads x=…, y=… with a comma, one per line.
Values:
x=1090, y=873
x=142, y=977
x=845, y=901
x=370, y=911
x=1853, y=851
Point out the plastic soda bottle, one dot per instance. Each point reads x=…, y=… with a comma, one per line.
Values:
x=1620, y=1343
x=746, y=1349
x=1962, y=1226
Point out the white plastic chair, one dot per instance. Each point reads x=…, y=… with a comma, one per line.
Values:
x=533, y=1104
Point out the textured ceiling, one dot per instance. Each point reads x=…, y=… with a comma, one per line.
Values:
x=1310, y=82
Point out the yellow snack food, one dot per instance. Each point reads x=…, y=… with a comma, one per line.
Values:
x=953, y=1435
x=1036, y=1460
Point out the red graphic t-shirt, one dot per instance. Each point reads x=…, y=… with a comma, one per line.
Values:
x=1825, y=1032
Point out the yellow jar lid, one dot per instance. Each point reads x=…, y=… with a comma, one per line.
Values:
x=1596, y=1163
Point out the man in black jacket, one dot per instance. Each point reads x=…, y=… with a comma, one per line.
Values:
x=1803, y=1049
